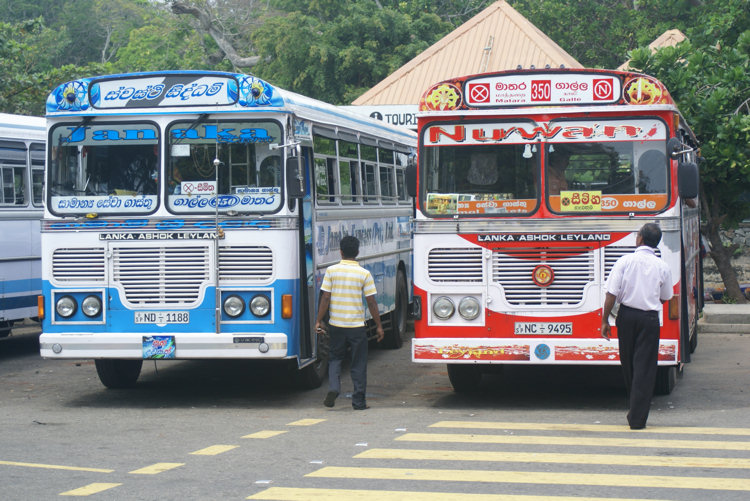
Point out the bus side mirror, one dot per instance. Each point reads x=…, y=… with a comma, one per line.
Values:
x=411, y=178
x=295, y=178
x=688, y=179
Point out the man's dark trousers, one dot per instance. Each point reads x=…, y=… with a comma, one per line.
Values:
x=638, y=337
x=356, y=337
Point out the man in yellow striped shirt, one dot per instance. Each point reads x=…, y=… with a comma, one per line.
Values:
x=341, y=293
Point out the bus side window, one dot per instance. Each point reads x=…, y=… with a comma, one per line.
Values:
x=324, y=180
x=401, y=185
x=37, y=173
x=370, y=184
x=386, y=184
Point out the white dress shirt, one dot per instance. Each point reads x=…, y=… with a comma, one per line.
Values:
x=641, y=280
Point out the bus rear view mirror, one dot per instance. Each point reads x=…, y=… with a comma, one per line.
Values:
x=411, y=179
x=687, y=179
x=295, y=180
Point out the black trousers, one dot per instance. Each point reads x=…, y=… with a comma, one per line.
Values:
x=638, y=338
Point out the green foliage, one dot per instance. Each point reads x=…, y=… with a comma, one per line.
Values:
x=337, y=59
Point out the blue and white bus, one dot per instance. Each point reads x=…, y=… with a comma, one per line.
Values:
x=21, y=175
x=192, y=215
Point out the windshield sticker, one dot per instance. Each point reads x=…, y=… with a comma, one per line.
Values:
x=104, y=204
x=439, y=203
x=472, y=134
x=580, y=201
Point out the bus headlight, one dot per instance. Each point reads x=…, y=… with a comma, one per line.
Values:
x=234, y=306
x=66, y=306
x=260, y=305
x=469, y=308
x=443, y=308
x=91, y=306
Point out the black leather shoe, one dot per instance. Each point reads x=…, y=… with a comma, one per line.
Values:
x=330, y=398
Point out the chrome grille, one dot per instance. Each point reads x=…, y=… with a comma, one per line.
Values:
x=78, y=265
x=455, y=265
x=612, y=254
x=246, y=263
x=161, y=276
x=573, y=268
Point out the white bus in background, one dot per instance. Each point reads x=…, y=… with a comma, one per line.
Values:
x=21, y=175
x=192, y=215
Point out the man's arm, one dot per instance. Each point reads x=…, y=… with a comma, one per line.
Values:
x=609, y=303
x=372, y=305
x=325, y=301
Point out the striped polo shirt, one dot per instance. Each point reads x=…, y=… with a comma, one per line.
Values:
x=347, y=282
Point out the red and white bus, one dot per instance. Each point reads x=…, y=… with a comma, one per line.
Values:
x=530, y=184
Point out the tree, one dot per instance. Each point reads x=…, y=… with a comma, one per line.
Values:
x=709, y=77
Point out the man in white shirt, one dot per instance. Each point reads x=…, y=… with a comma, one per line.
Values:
x=640, y=282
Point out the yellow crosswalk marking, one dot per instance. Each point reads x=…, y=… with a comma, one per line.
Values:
x=90, y=489
x=156, y=468
x=521, y=477
x=264, y=434
x=214, y=450
x=688, y=430
x=532, y=457
x=582, y=441
x=55, y=466
x=308, y=494
x=305, y=422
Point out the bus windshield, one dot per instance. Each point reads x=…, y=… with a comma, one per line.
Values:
x=479, y=179
x=249, y=176
x=607, y=167
x=103, y=168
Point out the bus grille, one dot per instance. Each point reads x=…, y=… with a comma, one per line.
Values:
x=455, y=265
x=573, y=268
x=245, y=263
x=612, y=254
x=78, y=265
x=161, y=276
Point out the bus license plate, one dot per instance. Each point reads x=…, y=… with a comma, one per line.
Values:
x=162, y=317
x=544, y=328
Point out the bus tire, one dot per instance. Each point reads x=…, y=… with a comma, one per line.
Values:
x=666, y=378
x=394, y=337
x=5, y=327
x=465, y=378
x=117, y=374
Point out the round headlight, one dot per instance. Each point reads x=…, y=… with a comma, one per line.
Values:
x=234, y=306
x=260, y=306
x=91, y=306
x=443, y=308
x=469, y=308
x=66, y=306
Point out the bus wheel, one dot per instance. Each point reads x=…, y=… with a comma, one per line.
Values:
x=465, y=378
x=666, y=378
x=117, y=374
x=5, y=327
x=394, y=336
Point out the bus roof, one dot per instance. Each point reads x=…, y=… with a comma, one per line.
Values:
x=22, y=127
x=190, y=92
x=555, y=88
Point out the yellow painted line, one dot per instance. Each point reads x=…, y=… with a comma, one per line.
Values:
x=90, y=489
x=532, y=457
x=684, y=430
x=307, y=494
x=214, y=450
x=54, y=466
x=590, y=441
x=530, y=477
x=264, y=434
x=305, y=422
x=156, y=468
